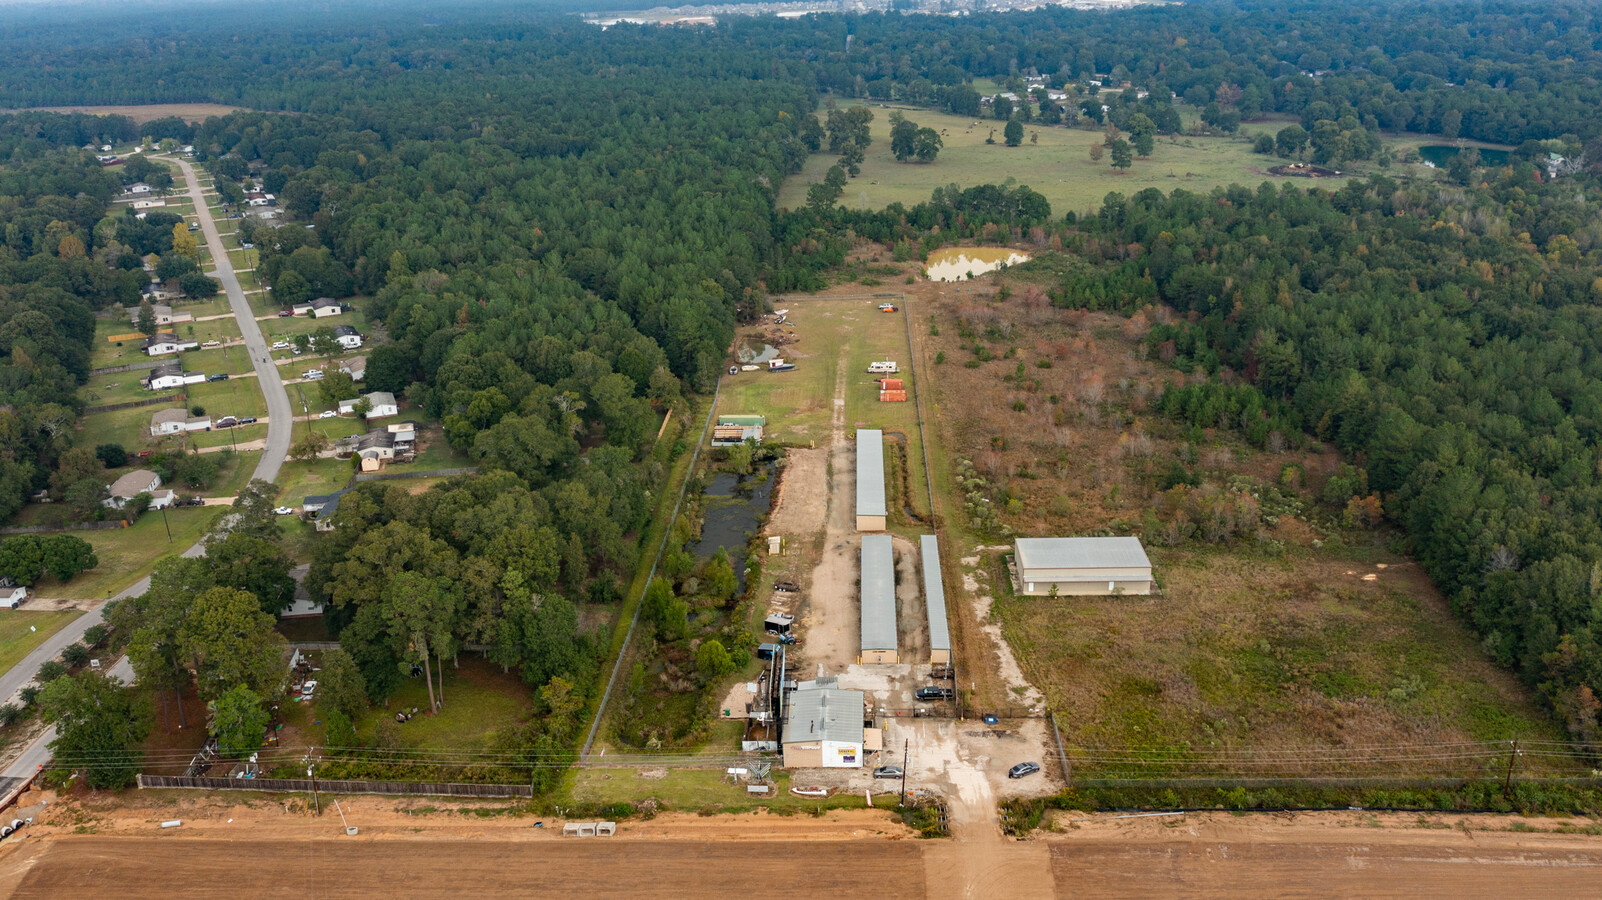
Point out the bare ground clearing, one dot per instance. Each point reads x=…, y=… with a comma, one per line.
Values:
x=189, y=112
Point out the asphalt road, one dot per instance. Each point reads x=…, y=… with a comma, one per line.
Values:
x=279, y=429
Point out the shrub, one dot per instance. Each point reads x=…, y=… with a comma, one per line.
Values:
x=11, y=713
x=75, y=655
x=51, y=670
x=94, y=634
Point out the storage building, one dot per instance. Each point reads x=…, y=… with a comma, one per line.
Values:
x=871, y=509
x=1081, y=566
x=878, y=601
x=934, y=600
x=823, y=728
x=892, y=390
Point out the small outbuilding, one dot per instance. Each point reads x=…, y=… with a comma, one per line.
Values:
x=871, y=510
x=11, y=593
x=1087, y=566
x=878, y=601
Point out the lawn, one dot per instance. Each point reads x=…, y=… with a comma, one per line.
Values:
x=119, y=353
x=1058, y=165
x=323, y=476
x=128, y=554
x=480, y=700
x=16, y=638
x=436, y=453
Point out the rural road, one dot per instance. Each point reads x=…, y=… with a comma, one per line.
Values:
x=279, y=428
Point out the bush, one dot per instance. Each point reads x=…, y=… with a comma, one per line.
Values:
x=75, y=655
x=51, y=670
x=94, y=634
x=112, y=455
x=11, y=713
x=28, y=694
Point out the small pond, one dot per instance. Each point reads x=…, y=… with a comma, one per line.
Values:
x=734, y=506
x=1439, y=155
x=960, y=263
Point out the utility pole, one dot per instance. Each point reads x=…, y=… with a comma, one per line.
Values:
x=311, y=772
x=1513, y=753
x=165, y=522
x=906, y=760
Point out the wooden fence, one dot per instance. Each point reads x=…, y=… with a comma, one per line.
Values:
x=304, y=786
x=131, y=404
x=131, y=367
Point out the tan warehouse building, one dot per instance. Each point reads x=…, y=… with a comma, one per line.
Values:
x=1089, y=566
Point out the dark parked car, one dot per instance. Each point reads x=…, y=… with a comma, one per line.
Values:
x=887, y=772
x=1022, y=769
x=935, y=693
x=225, y=422
x=248, y=420
x=788, y=586
x=220, y=376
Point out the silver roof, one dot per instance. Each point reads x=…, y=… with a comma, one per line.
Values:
x=870, y=472
x=1082, y=553
x=878, y=593
x=934, y=594
x=824, y=714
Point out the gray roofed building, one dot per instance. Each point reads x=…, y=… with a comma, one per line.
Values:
x=1082, y=566
x=934, y=600
x=878, y=600
x=871, y=509
x=823, y=729
x=321, y=508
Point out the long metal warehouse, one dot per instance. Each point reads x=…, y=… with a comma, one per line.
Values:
x=878, y=600
x=871, y=509
x=934, y=600
x=1081, y=566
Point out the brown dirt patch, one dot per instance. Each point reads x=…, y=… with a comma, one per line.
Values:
x=189, y=112
x=803, y=498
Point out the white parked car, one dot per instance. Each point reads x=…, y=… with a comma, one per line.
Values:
x=280, y=345
x=283, y=511
x=327, y=414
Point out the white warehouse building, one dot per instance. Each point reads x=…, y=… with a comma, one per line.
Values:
x=1086, y=566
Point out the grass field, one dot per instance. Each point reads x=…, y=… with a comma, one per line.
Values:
x=128, y=554
x=17, y=641
x=323, y=476
x=479, y=701
x=1058, y=166
x=1298, y=634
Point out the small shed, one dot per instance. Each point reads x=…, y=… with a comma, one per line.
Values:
x=871, y=510
x=892, y=390
x=878, y=601
x=1087, y=566
x=778, y=623
x=11, y=593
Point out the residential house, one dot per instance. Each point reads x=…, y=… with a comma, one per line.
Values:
x=157, y=291
x=165, y=342
x=164, y=378
x=139, y=481
x=137, y=189
x=321, y=508
x=301, y=309
x=348, y=337
x=163, y=314
x=323, y=306
x=149, y=204
x=355, y=367
x=11, y=593
x=177, y=421
x=382, y=403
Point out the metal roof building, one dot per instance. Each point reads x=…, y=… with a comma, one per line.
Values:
x=823, y=729
x=934, y=600
x=871, y=509
x=878, y=600
x=1081, y=566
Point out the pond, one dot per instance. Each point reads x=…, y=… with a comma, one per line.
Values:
x=734, y=506
x=959, y=263
x=1438, y=155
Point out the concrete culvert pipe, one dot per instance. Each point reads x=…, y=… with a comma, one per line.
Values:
x=6, y=831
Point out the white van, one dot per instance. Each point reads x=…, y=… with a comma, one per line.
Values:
x=884, y=367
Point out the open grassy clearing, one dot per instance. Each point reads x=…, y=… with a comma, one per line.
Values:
x=21, y=630
x=479, y=701
x=323, y=476
x=128, y=554
x=1058, y=165
x=1303, y=634
x=142, y=113
x=798, y=403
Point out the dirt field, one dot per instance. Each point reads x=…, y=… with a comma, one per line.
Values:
x=434, y=847
x=190, y=112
